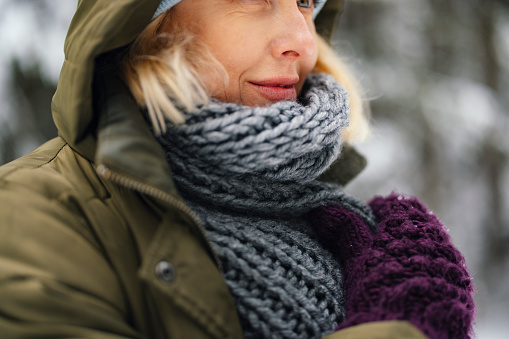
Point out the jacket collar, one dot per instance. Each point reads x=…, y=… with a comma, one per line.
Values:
x=125, y=144
x=348, y=166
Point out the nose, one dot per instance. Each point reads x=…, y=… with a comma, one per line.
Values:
x=294, y=36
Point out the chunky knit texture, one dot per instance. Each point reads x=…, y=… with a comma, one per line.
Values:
x=407, y=270
x=285, y=284
x=263, y=160
x=250, y=174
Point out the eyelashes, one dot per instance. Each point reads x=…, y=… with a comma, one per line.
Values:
x=304, y=3
x=301, y=3
x=309, y=3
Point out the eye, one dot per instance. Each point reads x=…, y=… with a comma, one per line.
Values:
x=305, y=3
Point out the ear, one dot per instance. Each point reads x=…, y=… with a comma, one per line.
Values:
x=328, y=17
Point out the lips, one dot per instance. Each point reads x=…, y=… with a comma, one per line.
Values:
x=277, y=89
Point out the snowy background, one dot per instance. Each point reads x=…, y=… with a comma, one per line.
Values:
x=436, y=73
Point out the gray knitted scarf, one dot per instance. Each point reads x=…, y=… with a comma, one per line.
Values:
x=250, y=174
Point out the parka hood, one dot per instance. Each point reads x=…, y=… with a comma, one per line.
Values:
x=97, y=27
x=100, y=26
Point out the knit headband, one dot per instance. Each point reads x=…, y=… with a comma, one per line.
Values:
x=167, y=4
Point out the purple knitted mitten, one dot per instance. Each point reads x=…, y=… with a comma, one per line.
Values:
x=407, y=270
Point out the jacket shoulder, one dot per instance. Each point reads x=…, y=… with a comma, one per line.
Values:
x=53, y=185
x=51, y=257
x=39, y=157
x=51, y=169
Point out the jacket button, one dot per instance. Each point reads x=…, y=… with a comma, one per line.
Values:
x=165, y=271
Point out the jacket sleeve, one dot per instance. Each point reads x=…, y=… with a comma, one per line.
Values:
x=392, y=329
x=407, y=270
x=54, y=280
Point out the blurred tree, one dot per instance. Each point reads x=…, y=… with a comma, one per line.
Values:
x=494, y=159
x=31, y=53
x=438, y=75
x=30, y=123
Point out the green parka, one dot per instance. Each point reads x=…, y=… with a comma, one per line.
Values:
x=95, y=241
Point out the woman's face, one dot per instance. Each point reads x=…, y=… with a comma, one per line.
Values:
x=267, y=47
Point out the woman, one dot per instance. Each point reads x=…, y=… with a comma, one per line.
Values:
x=239, y=238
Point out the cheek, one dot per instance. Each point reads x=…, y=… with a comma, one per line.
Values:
x=306, y=67
x=237, y=55
x=237, y=60
x=228, y=91
x=311, y=63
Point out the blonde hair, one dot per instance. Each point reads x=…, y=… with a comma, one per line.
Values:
x=164, y=72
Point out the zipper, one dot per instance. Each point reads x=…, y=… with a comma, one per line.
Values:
x=157, y=193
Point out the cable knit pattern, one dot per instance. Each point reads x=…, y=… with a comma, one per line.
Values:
x=250, y=175
x=407, y=270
